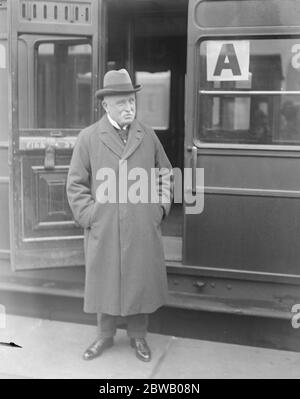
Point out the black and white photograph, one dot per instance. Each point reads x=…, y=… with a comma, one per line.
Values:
x=149, y=193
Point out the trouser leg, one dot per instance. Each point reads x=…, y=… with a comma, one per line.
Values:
x=137, y=325
x=107, y=325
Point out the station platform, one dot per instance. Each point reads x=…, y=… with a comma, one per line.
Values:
x=53, y=349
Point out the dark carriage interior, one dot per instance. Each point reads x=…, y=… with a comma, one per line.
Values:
x=149, y=39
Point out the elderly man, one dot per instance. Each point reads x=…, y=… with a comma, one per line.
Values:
x=125, y=271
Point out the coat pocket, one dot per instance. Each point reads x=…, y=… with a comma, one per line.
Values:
x=93, y=218
x=158, y=213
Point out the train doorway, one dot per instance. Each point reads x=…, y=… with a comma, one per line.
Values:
x=149, y=39
x=54, y=68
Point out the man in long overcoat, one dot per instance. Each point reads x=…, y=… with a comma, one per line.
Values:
x=119, y=191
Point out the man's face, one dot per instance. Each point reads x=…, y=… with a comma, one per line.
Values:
x=121, y=108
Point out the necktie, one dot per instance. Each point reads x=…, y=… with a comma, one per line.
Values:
x=123, y=133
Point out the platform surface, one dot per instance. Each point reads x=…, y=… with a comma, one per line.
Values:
x=52, y=349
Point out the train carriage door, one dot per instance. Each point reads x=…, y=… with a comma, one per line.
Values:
x=243, y=129
x=54, y=69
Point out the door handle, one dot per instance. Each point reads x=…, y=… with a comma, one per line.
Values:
x=194, y=166
x=49, y=161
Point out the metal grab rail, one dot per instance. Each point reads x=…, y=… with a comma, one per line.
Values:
x=249, y=93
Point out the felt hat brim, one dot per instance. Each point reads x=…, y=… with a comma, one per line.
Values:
x=117, y=89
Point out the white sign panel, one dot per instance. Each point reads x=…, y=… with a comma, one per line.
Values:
x=228, y=60
x=2, y=56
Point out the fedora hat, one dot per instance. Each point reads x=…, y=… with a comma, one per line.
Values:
x=117, y=82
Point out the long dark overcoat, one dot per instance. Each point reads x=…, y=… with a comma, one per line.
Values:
x=125, y=269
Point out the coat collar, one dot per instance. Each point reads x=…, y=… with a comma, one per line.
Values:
x=110, y=138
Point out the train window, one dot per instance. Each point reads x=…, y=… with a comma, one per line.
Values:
x=220, y=13
x=63, y=84
x=153, y=102
x=249, y=91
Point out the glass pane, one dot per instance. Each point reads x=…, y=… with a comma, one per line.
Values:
x=261, y=108
x=226, y=13
x=274, y=64
x=63, y=94
x=250, y=119
x=4, y=77
x=153, y=102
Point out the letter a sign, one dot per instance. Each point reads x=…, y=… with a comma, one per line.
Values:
x=228, y=60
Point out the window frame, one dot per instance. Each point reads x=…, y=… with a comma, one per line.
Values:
x=197, y=126
x=51, y=39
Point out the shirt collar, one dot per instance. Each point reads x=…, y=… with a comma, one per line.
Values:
x=115, y=124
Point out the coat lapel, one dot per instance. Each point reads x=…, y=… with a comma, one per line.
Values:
x=135, y=137
x=109, y=137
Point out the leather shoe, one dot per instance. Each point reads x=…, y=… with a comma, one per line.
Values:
x=97, y=347
x=142, y=349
